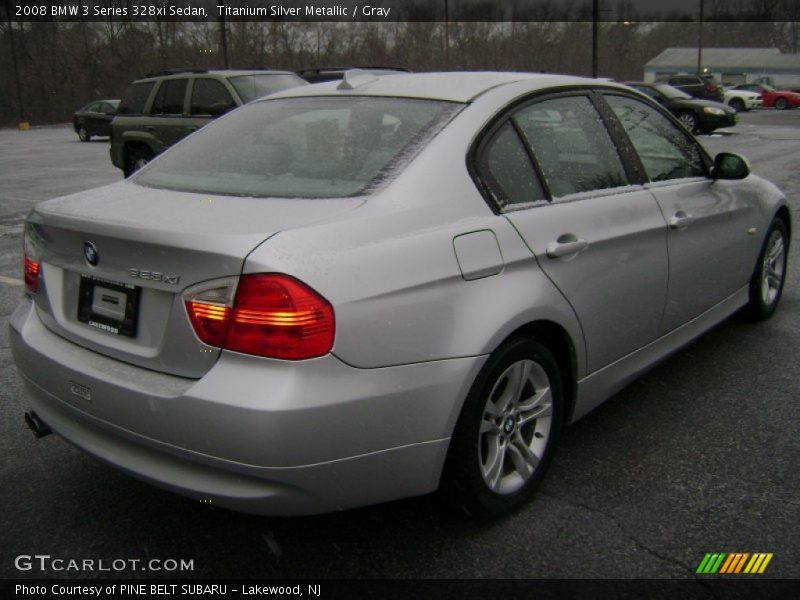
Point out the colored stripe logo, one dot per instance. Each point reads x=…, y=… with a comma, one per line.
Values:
x=734, y=563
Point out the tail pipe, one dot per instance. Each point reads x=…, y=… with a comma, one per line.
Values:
x=39, y=427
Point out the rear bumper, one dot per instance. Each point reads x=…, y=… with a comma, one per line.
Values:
x=254, y=435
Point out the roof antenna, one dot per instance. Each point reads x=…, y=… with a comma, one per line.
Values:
x=354, y=78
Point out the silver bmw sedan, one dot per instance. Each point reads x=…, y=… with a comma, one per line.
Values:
x=374, y=288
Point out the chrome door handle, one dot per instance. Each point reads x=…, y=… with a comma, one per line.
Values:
x=191, y=129
x=561, y=249
x=149, y=128
x=680, y=220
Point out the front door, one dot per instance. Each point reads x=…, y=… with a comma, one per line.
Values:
x=711, y=242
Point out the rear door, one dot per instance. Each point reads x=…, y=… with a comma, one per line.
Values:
x=209, y=100
x=710, y=241
x=169, y=125
x=555, y=172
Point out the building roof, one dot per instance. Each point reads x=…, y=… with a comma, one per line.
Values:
x=725, y=58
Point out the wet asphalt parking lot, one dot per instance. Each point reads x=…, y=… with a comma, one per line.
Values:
x=700, y=455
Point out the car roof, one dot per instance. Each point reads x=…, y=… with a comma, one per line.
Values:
x=213, y=72
x=462, y=86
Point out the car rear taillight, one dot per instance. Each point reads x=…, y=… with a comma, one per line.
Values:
x=272, y=315
x=31, y=268
x=710, y=87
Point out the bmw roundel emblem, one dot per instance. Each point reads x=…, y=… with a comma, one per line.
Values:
x=90, y=253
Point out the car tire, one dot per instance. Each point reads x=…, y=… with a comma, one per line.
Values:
x=83, y=134
x=507, y=431
x=689, y=120
x=781, y=103
x=136, y=159
x=737, y=104
x=766, y=284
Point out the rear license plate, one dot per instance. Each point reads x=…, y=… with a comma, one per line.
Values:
x=108, y=305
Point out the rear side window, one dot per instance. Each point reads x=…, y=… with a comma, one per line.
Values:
x=210, y=98
x=571, y=145
x=665, y=150
x=506, y=170
x=135, y=98
x=250, y=87
x=169, y=99
x=307, y=147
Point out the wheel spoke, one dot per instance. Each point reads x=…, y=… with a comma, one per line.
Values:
x=488, y=426
x=773, y=280
x=493, y=469
x=776, y=252
x=491, y=410
x=538, y=406
x=523, y=458
x=513, y=389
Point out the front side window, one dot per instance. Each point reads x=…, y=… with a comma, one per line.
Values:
x=135, y=98
x=507, y=171
x=210, y=98
x=665, y=150
x=307, y=147
x=169, y=99
x=571, y=145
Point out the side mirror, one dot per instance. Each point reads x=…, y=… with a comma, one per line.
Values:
x=730, y=166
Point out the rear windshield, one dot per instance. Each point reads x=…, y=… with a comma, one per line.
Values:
x=315, y=147
x=250, y=87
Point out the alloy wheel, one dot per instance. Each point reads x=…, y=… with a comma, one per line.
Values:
x=773, y=268
x=516, y=426
x=689, y=121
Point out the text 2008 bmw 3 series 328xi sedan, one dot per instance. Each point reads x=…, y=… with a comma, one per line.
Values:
x=371, y=289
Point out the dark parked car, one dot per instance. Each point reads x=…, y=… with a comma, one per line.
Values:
x=698, y=116
x=336, y=73
x=698, y=86
x=159, y=110
x=94, y=119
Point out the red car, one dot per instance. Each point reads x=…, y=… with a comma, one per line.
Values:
x=778, y=98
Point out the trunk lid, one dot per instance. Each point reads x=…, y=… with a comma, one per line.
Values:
x=155, y=243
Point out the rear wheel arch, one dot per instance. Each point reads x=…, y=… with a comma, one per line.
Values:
x=558, y=341
x=541, y=347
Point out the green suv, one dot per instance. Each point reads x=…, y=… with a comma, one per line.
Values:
x=159, y=110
